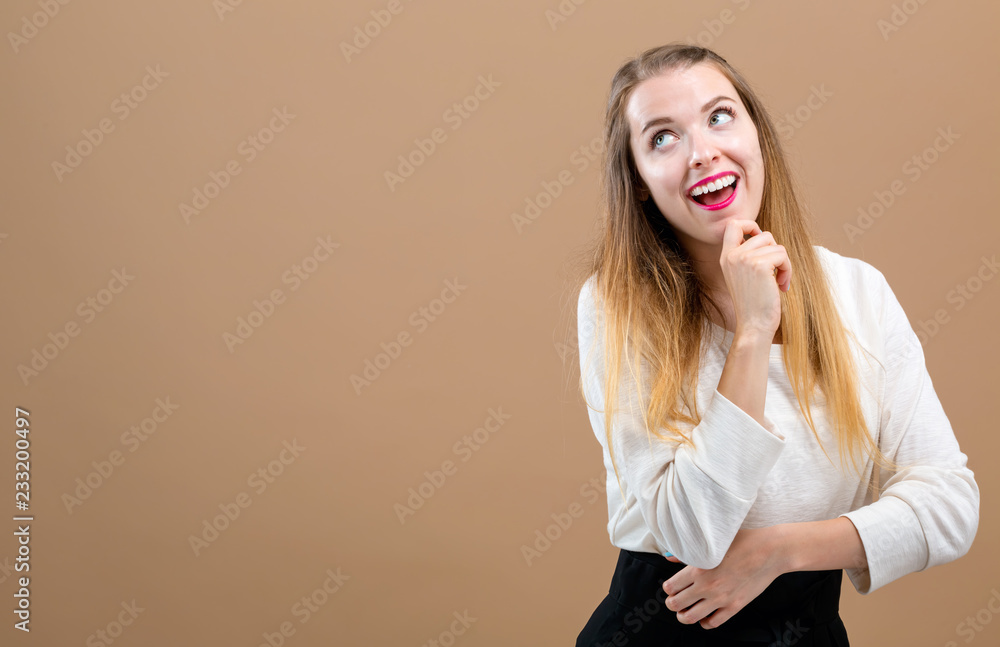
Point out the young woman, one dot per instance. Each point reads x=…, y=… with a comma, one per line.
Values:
x=750, y=355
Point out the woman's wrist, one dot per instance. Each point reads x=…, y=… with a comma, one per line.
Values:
x=783, y=546
x=829, y=544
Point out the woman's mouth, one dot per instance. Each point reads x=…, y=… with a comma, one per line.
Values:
x=718, y=199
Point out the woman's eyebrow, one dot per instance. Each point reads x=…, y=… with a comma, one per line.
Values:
x=670, y=120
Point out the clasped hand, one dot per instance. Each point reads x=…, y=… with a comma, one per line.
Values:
x=711, y=597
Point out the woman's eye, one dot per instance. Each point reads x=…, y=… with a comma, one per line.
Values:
x=658, y=138
x=727, y=112
x=724, y=112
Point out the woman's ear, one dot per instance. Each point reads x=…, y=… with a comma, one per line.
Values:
x=643, y=191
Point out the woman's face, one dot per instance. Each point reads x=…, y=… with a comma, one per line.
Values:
x=702, y=140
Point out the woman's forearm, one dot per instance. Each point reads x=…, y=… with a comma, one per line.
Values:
x=821, y=545
x=744, y=375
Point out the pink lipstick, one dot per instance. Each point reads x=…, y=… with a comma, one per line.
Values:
x=719, y=205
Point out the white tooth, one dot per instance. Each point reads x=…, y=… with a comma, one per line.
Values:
x=714, y=186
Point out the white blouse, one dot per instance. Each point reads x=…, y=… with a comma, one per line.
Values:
x=691, y=502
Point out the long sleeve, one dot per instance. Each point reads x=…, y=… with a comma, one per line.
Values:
x=693, y=500
x=928, y=512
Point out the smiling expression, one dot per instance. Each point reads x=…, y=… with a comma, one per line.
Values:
x=689, y=127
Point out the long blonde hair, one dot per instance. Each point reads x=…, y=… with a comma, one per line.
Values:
x=654, y=301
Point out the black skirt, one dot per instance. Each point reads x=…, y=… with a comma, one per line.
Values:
x=800, y=608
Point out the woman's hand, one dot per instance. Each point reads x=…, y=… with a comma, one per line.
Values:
x=711, y=597
x=754, y=271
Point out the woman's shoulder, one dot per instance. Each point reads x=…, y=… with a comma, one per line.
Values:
x=848, y=268
x=587, y=298
x=861, y=293
x=852, y=279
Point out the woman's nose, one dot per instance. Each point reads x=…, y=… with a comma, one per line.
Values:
x=702, y=152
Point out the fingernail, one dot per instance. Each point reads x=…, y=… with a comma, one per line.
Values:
x=668, y=554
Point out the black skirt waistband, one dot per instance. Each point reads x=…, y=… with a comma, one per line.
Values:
x=787, y=591
x=801, y=608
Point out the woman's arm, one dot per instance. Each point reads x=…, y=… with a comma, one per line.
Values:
x=820, y=545
x=744, y=375
x=692, y=499
x=927, y=513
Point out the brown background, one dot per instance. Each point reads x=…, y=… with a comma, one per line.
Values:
x=508, y=341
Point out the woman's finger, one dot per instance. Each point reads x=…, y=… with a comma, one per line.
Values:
x=696, y=612
x=678, y=581
x=736, y=230
x=679, y=601
x=761, y=240
x=778, y=258
x=716, y=619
